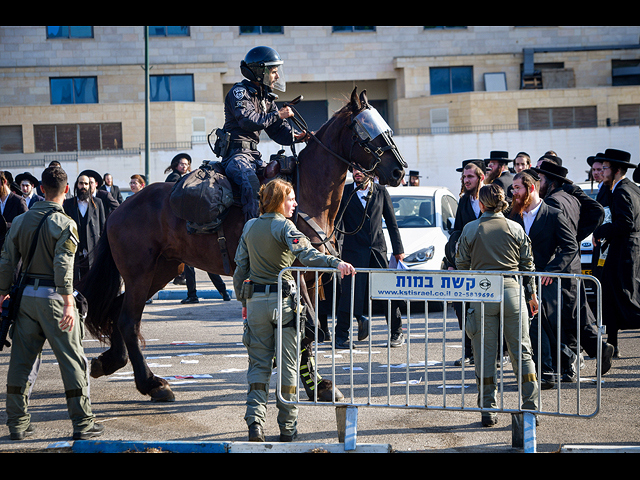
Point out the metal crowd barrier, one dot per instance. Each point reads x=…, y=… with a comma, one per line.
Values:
x=421, y=374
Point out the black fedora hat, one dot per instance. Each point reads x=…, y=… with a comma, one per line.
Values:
x=619, y=157
x=414, y=173
x=29, y=177
x=93, y=174
x=476, y=161
x=594, y=158
x=553, y=170
x=499, y=155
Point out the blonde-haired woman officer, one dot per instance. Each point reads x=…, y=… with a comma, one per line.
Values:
x=494, y=242
x=269, y=244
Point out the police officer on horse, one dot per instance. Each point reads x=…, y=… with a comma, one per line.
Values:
x=249, y=108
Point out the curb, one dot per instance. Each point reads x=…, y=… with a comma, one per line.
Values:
x=90, y=446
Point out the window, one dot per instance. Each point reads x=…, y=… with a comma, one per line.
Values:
x=171, y=88
x=451, y=80
x=625, y=72
x=168, y=31
x=561, y=117
x=65, y=91
x=629, y=114
x=449, y=209
x=69, y=32
x=11, y=139
x=76, y=137
x=353, y=29
x=255, y=30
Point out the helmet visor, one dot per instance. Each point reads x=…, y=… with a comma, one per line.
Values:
x=274, y=76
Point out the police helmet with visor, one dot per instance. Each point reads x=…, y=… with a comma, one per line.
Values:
x=258, y=65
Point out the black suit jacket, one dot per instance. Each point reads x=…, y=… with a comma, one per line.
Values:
x=553, y=242
x=621, y=272
x=34, y=198
x=505, y=180
x=14, y=206
x=109, y=203
x=95, y=222
x=115, y=192
x=464, y=215
x=368, y=247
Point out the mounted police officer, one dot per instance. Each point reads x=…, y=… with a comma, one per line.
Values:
x=250, y=108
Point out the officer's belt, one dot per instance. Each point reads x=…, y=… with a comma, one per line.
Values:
x=43, y=282
x=265, y=288
x=246, y=144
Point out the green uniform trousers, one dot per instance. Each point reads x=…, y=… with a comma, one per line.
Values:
x=37, y=321
x=260, y=338
x=514, y=303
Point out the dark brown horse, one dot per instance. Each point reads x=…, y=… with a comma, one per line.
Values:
x=145, y=244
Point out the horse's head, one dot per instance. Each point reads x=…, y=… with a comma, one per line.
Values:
x=379, y=154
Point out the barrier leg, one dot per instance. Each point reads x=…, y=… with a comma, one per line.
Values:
x=347, y=419
x=523, y=433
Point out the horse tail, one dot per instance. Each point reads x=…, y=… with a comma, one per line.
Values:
x=101, y=286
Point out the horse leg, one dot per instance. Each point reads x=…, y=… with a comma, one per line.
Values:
x=129, y=325
x=113, y=359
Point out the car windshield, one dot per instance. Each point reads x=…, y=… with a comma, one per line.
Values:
x=414, y=212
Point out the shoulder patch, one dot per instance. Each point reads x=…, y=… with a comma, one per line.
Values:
x=239, y=92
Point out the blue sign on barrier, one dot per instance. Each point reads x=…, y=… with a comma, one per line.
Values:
x=446, y=286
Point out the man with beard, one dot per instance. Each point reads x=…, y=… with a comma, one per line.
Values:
x=90, y=218
x=554, y=247
x=621, y=271
x=555, y=190
x=109, y=203
x=498, y=171
x=473, y=174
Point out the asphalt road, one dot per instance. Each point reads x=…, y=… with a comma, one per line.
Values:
x=198, y=347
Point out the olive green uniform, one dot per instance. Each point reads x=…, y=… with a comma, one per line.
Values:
x=494, y=242
x=269, y=244
x=41, y=310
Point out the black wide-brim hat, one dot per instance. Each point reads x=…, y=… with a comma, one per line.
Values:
x=93, y=174
x=29, y=177
x=595, y=158
x=414, y=173
x=499, y=155
x=619, y=157
x=552, y=170
x=476, y=161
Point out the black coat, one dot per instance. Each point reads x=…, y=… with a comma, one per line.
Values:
x=14, y=206
x=621, y=271
x=109, y=203
x=93, y=224
x=367, y=248
x=34, y=198
x=464, y=215
x=115, y=192
x=505, y=180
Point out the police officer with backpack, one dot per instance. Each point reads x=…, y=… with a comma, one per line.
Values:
x=249, y=108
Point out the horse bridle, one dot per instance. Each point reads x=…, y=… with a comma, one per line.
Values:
x=373, y=150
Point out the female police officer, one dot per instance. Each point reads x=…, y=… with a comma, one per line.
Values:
x=494, y=242
x=269, y=244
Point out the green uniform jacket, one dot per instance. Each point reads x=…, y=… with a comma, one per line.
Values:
x=269, y=244
x=54, y=254
x=494, y=242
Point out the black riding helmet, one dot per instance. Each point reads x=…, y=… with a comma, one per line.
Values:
x=258, y=62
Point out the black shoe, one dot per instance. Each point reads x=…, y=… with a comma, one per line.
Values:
x=255, y=433
x=179, y=281
x=465, y=360
x=226, y=297
x=95, y=431
x=569, y=374
x=23, y=434
x=363, y=327
x=607, y=356
x=397, y=340
x=342, y=344
x=288, y=438
x=489, y=419
x=190, y=300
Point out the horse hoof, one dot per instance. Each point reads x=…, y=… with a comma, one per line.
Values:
x=325, y=388
x=163, y=393
x=96, y=368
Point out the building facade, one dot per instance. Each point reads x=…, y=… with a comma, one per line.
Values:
x=78, y=93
